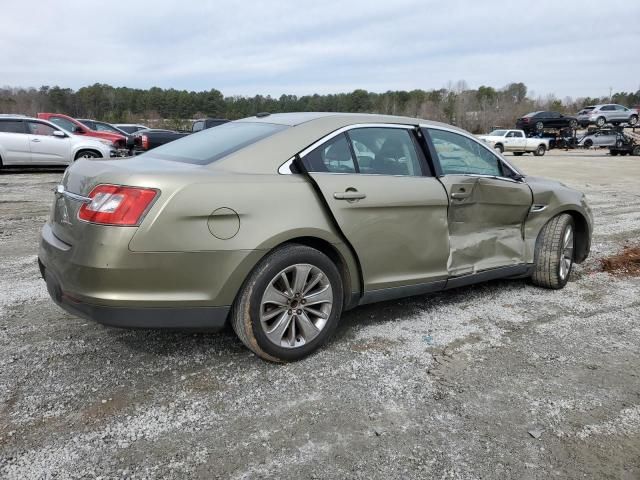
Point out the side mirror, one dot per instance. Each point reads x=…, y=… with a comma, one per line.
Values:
x=58, y=133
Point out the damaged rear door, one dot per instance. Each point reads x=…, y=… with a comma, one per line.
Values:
x=391, y=210
x=487, y=210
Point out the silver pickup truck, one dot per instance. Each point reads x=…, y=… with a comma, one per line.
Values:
x=516, y=141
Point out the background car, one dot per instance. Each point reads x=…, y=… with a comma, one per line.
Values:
x=28, y=141
x=274, y=225
x=73, y=126
x=99, y=126
x=538, y=121
x=605, y=137
x=583, y=116
x=611, y=113
x=130, y=127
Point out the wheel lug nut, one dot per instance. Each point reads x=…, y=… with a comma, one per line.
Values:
x=299, y=312
x=303, y=301
x=290, y=312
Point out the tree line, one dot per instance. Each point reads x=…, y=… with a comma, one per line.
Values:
x=476, y=110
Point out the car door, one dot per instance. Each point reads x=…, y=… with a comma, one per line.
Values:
x=621, y=113
x=47, y=148
x=389, y=207
x=487, y=210
x=14, y=142
x=518, y=141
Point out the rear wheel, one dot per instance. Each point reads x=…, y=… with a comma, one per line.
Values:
x=289, y=305
x=539, y=126
x=540, y=151
x=636, y=151
x=554, y=253
x=614, y=153
x=633, y=119
x=87, y=154
x=518, y=154
x=588, y=143
x=573, y=124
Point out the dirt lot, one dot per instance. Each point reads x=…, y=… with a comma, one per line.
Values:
x=502, y=380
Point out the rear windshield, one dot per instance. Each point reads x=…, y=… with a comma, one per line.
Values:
x=213, y=144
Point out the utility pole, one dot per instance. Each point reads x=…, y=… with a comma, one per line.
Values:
x=610, y=93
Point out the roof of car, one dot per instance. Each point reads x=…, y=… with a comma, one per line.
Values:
x=298, y=118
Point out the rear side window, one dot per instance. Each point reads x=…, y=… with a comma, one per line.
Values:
x=12, y=126
x=197, y=126
x=209, y=145
x=385, y=151
x=460, y=155
x=333, y=156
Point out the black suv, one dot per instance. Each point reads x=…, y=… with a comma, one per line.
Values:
x=538, y=121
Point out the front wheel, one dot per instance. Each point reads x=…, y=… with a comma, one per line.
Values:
x=588, y=143
x=499, y=148
x=636, y=151
x=554, y=253
x=87, y=154
x=600, y=122
x=539, y=126
x=540, y=151
x=573, y=124
x=289, y=305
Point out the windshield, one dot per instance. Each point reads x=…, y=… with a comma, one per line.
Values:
x=209, y=145
x=498, y=133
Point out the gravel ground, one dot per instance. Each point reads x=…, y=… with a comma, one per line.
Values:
x=501, y=380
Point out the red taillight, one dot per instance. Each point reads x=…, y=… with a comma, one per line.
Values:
x=116, y=205
x=145, y=142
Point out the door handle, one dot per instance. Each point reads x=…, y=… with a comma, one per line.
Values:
x=460, y=195
x=349, y=195
x=36, y=140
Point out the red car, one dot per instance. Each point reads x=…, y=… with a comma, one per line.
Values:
x=73, y=126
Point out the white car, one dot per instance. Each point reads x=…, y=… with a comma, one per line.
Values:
x=515, y=141
x=26, y=141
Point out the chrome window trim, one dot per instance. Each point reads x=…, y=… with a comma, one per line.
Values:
x=471, y=137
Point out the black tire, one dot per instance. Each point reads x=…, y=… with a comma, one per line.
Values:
x=245, y=313
x=549, y=253
x=87, y=154
x=588, y=143
x=540, y=151
x=636, y=151
x=539, y=126
x=613, y=153
x=499, y=147
x=600, y=121
x=518, y=154
x=573, y=124
x=633, y=120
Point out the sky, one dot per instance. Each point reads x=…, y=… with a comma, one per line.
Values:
x=571, y=48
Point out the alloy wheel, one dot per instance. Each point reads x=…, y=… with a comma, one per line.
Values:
x=296, y=305
x=566, y=256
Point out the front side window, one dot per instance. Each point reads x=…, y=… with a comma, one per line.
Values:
x=333, y=156
x=37, y=128
x=215, y=143
x=460, y=155
x=385, y=151
x=63, y=123
x=11, y=126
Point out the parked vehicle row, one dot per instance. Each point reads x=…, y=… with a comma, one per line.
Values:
x=26, y=141
x=149, y=139
x=71, y=125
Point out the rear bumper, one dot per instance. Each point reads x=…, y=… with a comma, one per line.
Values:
x=205, y=318
x=99, y=278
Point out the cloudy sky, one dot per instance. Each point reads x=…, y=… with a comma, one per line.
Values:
x=571, y=47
